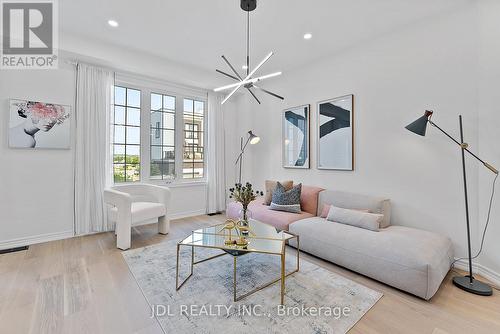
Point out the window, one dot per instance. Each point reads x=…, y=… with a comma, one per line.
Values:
x=127, y=135
x=162, y=161
x=158, y=133
x=193, y=159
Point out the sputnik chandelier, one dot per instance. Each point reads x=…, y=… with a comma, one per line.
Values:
x=249, y=81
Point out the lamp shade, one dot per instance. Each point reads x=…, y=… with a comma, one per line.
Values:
x=420, y=125
x=253, y=138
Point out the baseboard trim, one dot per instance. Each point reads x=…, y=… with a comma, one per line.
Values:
x=35, y=239
x=479, y=269
x=187, y=214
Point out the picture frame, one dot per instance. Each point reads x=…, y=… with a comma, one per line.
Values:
x=296, y=137
x=335, y=133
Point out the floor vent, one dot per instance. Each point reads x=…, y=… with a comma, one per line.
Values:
x=12, y=250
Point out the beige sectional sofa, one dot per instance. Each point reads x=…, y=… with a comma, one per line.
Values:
x=413, y=260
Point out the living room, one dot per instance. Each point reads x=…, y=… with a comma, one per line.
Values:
x=249, y=166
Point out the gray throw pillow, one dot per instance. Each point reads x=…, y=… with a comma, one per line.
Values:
x=284, y=200
x=368, y=221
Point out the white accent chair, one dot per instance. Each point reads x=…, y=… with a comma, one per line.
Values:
x=133, y=204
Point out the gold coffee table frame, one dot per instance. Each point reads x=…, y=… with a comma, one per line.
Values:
x=238, y=250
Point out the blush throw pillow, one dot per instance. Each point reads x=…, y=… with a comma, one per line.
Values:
x=271, y=185
x=367, y=221
x=284, y=200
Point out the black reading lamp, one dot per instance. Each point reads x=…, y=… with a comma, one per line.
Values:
x=467, y=282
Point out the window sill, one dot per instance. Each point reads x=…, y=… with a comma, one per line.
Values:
x=179, y=184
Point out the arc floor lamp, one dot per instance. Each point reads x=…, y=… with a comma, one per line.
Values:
x=252, y=139
x=467, y=282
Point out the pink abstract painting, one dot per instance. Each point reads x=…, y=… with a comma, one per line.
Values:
x=39, y=125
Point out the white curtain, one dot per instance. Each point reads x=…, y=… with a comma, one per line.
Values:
x=216, y=196
x=94, y=98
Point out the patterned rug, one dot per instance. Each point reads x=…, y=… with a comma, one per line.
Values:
x=316, y=300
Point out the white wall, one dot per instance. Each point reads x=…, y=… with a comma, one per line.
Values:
x=489, y=122
x=429, y=65
x=36, y=186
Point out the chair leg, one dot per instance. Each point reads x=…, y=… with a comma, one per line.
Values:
x=163, y=225
x=123, y=234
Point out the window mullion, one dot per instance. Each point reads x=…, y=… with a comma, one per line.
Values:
x=145, y=135
x=179, y=136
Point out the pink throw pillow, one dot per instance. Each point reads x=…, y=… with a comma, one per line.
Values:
x=324, y=212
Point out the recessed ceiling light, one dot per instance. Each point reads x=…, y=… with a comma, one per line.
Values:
x=113, y=23
x=244, y=67
x=308, y=36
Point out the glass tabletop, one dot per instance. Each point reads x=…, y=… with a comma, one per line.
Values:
x=263, y=238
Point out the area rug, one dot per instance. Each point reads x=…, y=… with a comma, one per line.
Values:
x=316, y=301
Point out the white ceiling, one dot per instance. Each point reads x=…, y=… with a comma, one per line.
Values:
x=198, y=32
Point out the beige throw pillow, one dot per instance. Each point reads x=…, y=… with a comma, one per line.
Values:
x=368, y=221
x=326, y=209
x=271, y=185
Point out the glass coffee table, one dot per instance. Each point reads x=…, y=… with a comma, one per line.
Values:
x=265, y=239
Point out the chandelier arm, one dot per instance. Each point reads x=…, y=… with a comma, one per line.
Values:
x=228, y=75
x=231, y=67
x=259, y=65
x=230, y=94
x=253, y=94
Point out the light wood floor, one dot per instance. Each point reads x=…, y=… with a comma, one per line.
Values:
x=83, y=285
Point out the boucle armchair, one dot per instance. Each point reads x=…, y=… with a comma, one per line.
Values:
x=133, y=204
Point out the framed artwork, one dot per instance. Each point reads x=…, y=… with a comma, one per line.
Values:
x=336, y=133
x=39, y=125
x=295, y=136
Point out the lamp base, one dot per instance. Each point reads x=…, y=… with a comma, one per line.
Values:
x=476, y=287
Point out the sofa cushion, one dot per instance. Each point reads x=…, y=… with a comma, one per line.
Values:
x=366, y=220
x=284, y=200
x=292, y=208
x=141, y=211
x=326, y=209
x=409, y=259
x=271, y=185
x=279, y=219
x=309, y=199
x=348, y=200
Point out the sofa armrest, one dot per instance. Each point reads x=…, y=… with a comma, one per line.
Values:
x=162, y=194
x=117, y=198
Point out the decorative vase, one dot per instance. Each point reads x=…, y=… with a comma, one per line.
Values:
x=245, y=215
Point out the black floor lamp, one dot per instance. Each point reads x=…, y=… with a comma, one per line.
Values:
x=252, y=139
x=468, y=282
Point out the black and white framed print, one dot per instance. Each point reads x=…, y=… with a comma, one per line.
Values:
x=37, y=125
x=295, y=136
x=335, y=133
